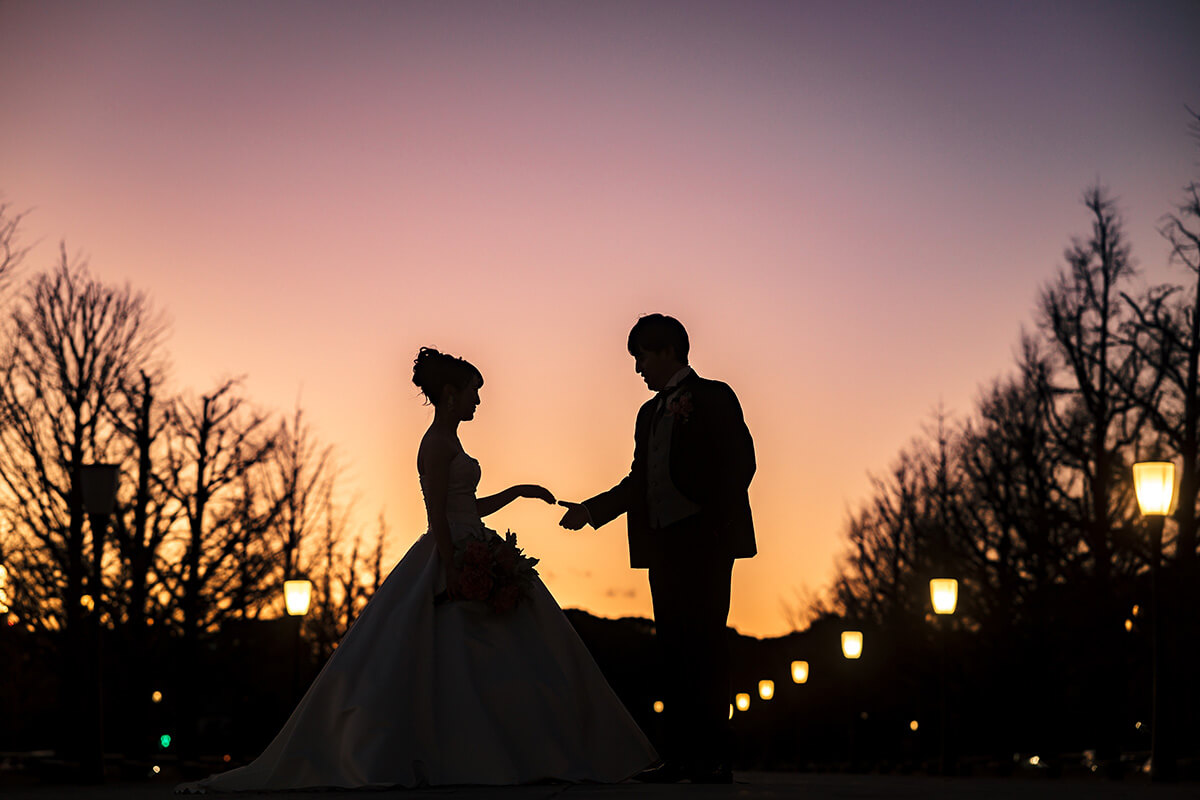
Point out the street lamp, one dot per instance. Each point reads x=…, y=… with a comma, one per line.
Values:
x=799, y=672
x=98, y=490
x=296, y=596
x=943, y=592
x=1154, y=484
x=852, y=644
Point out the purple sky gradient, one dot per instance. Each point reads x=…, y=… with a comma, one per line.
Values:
x=852, y=206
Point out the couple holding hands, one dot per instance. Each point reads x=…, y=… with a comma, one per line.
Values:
x=422, y=692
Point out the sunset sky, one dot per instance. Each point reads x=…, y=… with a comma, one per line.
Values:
x=851, y=206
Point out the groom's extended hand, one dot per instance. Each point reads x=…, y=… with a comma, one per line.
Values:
x=576, y=517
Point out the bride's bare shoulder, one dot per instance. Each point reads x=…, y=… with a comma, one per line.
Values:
x=436, y=450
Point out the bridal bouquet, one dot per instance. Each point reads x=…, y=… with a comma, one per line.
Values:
x=494, y=570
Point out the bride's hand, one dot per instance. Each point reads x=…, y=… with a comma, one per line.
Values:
x=538, y=492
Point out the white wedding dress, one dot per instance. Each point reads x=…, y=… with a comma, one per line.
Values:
x=425, y=695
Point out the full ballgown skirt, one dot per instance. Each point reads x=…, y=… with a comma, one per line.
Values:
x=419, y=694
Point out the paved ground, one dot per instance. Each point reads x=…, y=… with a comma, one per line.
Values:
x=750, y=786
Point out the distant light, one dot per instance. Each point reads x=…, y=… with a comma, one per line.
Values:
x=1034, y=761
x=1154, y=484
x=766, y=689
x=156, y=697
x=912, y=726
x=165, y=740
x=156, y=769
x=1137, y=726
x=1137, y=610
x=742, y=700
x=852, y=644
x=296, y=596
x=1129, y=625
x=731, y=710
x=944, y=594
x=227, y=758
x=87, y=602
x=799, y=672
x=13, y=619
x=658, y=706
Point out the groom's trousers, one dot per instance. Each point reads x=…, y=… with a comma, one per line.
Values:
x=690, y=592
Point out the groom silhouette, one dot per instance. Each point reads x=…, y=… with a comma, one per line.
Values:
x=686, y=505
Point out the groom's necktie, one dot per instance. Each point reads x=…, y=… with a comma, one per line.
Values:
x=663, y=398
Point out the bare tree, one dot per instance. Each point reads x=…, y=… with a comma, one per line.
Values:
x=1092, y=420
x=73, y=342
x=301, y=472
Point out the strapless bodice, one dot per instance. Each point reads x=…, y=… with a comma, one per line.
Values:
x=460, y=491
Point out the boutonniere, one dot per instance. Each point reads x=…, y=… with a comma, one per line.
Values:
x=679, y=405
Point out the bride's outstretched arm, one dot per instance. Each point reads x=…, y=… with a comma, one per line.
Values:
x=493, y=503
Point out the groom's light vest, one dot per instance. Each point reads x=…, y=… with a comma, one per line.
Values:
x=664, y=502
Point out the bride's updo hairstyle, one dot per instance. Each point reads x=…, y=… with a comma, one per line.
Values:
x=434, y=371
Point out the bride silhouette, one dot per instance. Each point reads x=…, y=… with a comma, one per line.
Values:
x=431, y=688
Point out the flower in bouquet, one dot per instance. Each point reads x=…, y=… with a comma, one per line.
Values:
x=494, y=570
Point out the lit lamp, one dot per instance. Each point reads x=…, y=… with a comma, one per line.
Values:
x=799, y=672
x=766, y=689
x=296, y=595
x=944, y=594
x=742, y=700
x=852, y=644
x=658, y=706
x=1154, y=484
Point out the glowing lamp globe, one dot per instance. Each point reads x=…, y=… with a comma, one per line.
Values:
x=766, y=689
x=852, y=644
x=944, y=594
x=799, y=672
x=658, y=706
x=1154, y=483
x=742, y=700
x=296, y=595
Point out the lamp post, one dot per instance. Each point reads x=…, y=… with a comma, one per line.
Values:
x=943, y=595
x=1154, y=484
x=297, y=594
x=98, y=490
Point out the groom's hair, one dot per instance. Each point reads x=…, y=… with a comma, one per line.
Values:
x=657, y=332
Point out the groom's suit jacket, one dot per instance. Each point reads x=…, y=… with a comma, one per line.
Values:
x=711, y=464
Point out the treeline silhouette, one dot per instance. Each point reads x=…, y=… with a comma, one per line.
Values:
x=1028, y=501
x=218, y=502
